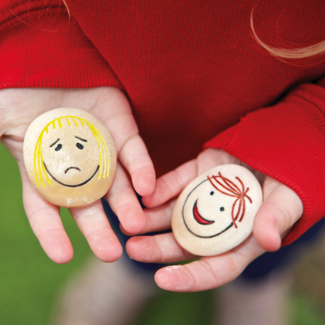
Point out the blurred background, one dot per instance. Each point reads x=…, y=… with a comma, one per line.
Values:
x=31, y=284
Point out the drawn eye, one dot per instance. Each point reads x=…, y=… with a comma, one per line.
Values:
x=58, y=147
x=222, y=209
x=211, y=193
x=80, y=146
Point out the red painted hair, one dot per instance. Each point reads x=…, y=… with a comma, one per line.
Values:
x=227, y=187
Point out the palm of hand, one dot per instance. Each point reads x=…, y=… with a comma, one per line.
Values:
x=280, y=210
x=19, y=107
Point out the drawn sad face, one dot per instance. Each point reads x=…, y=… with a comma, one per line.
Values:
x=215, y=212
x=70, y=157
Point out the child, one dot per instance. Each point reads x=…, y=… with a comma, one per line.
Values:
x=194, y=76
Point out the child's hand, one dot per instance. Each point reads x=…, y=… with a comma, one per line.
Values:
x=19, y=107
x=280, y=210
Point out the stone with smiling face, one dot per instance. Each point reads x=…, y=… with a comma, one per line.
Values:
x=216, y=211
x=70, y=157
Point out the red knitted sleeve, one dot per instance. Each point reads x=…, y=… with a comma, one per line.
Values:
x=41, y=46
x=287, y=143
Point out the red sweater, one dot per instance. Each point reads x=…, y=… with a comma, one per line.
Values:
x=193, y=74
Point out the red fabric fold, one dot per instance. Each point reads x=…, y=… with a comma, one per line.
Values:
x=287, y=143
x=47, y=49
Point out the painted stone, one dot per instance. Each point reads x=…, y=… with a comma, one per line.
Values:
x=70, y=157
x=216, y=211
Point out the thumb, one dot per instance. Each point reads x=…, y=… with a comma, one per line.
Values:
x=280, y=210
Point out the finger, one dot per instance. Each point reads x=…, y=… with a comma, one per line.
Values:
x=129, y=145
x=208, y=272
x=125, y=204
x=156, y=219
x=156, y=249
x=135, y=158
x=94, y=225
x=45, y=222
x=280, y=210
x=171, y=184
x=210, y=158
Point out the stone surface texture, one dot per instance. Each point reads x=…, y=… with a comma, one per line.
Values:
x=216, y=211
x=70, y=157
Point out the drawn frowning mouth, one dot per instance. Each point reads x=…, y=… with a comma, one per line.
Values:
x=77, y=185
x=77, y=168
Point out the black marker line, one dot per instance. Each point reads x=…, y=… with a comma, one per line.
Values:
x=219, y=233
x=54, y=143
x=208, y=222
x=81, y=139
x=72, y=168
x=77, y=185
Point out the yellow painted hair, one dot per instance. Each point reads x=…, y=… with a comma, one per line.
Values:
x=39, y=169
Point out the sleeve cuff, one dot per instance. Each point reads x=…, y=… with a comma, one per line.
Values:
x=287, y=143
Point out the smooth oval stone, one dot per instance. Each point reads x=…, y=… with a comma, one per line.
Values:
x=70, y=157
x=216, y=211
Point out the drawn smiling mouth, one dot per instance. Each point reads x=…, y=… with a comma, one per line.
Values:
x=202, y=221
x=77, y=185
x=198, y=216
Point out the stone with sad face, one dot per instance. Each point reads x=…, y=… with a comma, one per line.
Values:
x=70, y=157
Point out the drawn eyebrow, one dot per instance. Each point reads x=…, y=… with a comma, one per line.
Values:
x=54, y=143
x=81, y=139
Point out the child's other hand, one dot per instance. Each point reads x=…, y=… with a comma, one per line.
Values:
x=280, y=210
x=19, y=107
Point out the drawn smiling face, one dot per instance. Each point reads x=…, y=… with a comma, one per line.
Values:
x=206, y=211
x=216, y=211
x=71, y=155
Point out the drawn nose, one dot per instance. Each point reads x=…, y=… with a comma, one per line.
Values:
x=77, y=168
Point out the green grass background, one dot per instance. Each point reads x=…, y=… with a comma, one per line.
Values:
x=30, y=282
